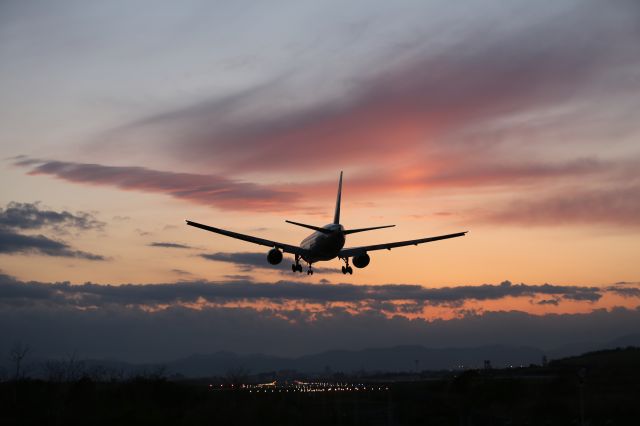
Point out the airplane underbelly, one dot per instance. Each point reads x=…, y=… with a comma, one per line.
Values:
x=325, y=247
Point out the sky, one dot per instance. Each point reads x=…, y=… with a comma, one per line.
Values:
x=516, y=121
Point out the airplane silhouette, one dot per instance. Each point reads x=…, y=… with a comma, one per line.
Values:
x=326, y=243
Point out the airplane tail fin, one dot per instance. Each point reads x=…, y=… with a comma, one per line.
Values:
x=336, y=215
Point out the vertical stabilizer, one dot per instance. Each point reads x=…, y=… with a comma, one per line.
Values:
x=336, y=215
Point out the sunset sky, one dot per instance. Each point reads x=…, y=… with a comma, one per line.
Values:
x=516, y=121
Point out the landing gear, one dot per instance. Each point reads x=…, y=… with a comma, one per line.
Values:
x=347, y=269
x=297, y=267
x=309, y=271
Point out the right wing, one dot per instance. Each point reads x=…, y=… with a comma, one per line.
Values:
x=349, y=252
x=287, y=248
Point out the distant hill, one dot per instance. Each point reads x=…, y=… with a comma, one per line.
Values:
x=399, y=358
x=576, y=348
x=626, y=359
x=406, y=358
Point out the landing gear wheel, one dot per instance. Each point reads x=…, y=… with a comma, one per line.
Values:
x=347, y=269
x=310, y=272
x=299, y=268
x=294, y=267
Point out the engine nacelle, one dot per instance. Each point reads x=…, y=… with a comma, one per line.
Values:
x=274, y=256
x=361, y=260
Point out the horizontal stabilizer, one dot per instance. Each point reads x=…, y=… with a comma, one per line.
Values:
x=353, y=231
x=315, y=228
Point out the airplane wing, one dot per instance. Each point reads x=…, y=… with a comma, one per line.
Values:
x=354, y=251
x=287, y=248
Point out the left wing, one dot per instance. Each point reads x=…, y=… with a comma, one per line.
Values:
x=354, y=251
x=287, y=248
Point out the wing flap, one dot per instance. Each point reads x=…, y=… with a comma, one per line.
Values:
x=350, y=252
x=287, y=248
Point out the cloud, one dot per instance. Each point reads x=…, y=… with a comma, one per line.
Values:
x=200, y=189
x=612, y=201
x=55, y=318
x=170, y=245
x=625, y=291
x=245, y=261
x=413, y=107
x=617, y=206
x=181, y=272
x=14, y=243
x=30, y=216
x=95, y=295
x=248, y=261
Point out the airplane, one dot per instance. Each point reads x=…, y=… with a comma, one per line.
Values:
x=326, y=243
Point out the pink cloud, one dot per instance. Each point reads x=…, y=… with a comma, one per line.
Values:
x=209, y=190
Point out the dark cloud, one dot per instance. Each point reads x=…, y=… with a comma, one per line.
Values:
x=47, y=317
x=28, y=216
x=89, y=294
x=170, y=245
x=554, y=302
x=14, y=243
x=31, y=216
x=625, y=291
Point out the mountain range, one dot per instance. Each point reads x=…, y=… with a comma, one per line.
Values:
x=408, y=358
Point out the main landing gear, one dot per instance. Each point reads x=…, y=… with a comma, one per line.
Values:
x=347, y=269
x=297, y=267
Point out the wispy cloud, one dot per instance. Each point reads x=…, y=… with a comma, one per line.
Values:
x=201, y=189
x=170, y=245
x=248, y=261
x=618, y=206
x=417, y=108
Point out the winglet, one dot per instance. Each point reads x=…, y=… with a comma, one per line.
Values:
x=336, y=215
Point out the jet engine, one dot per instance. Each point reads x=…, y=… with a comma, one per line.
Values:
x=274, y=256
x=361, y=260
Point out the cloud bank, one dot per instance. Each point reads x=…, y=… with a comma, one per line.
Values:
x=104, y=321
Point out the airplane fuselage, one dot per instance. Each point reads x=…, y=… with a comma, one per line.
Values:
x=324, y=246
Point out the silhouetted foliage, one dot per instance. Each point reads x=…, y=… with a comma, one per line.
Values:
x=606, y=383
